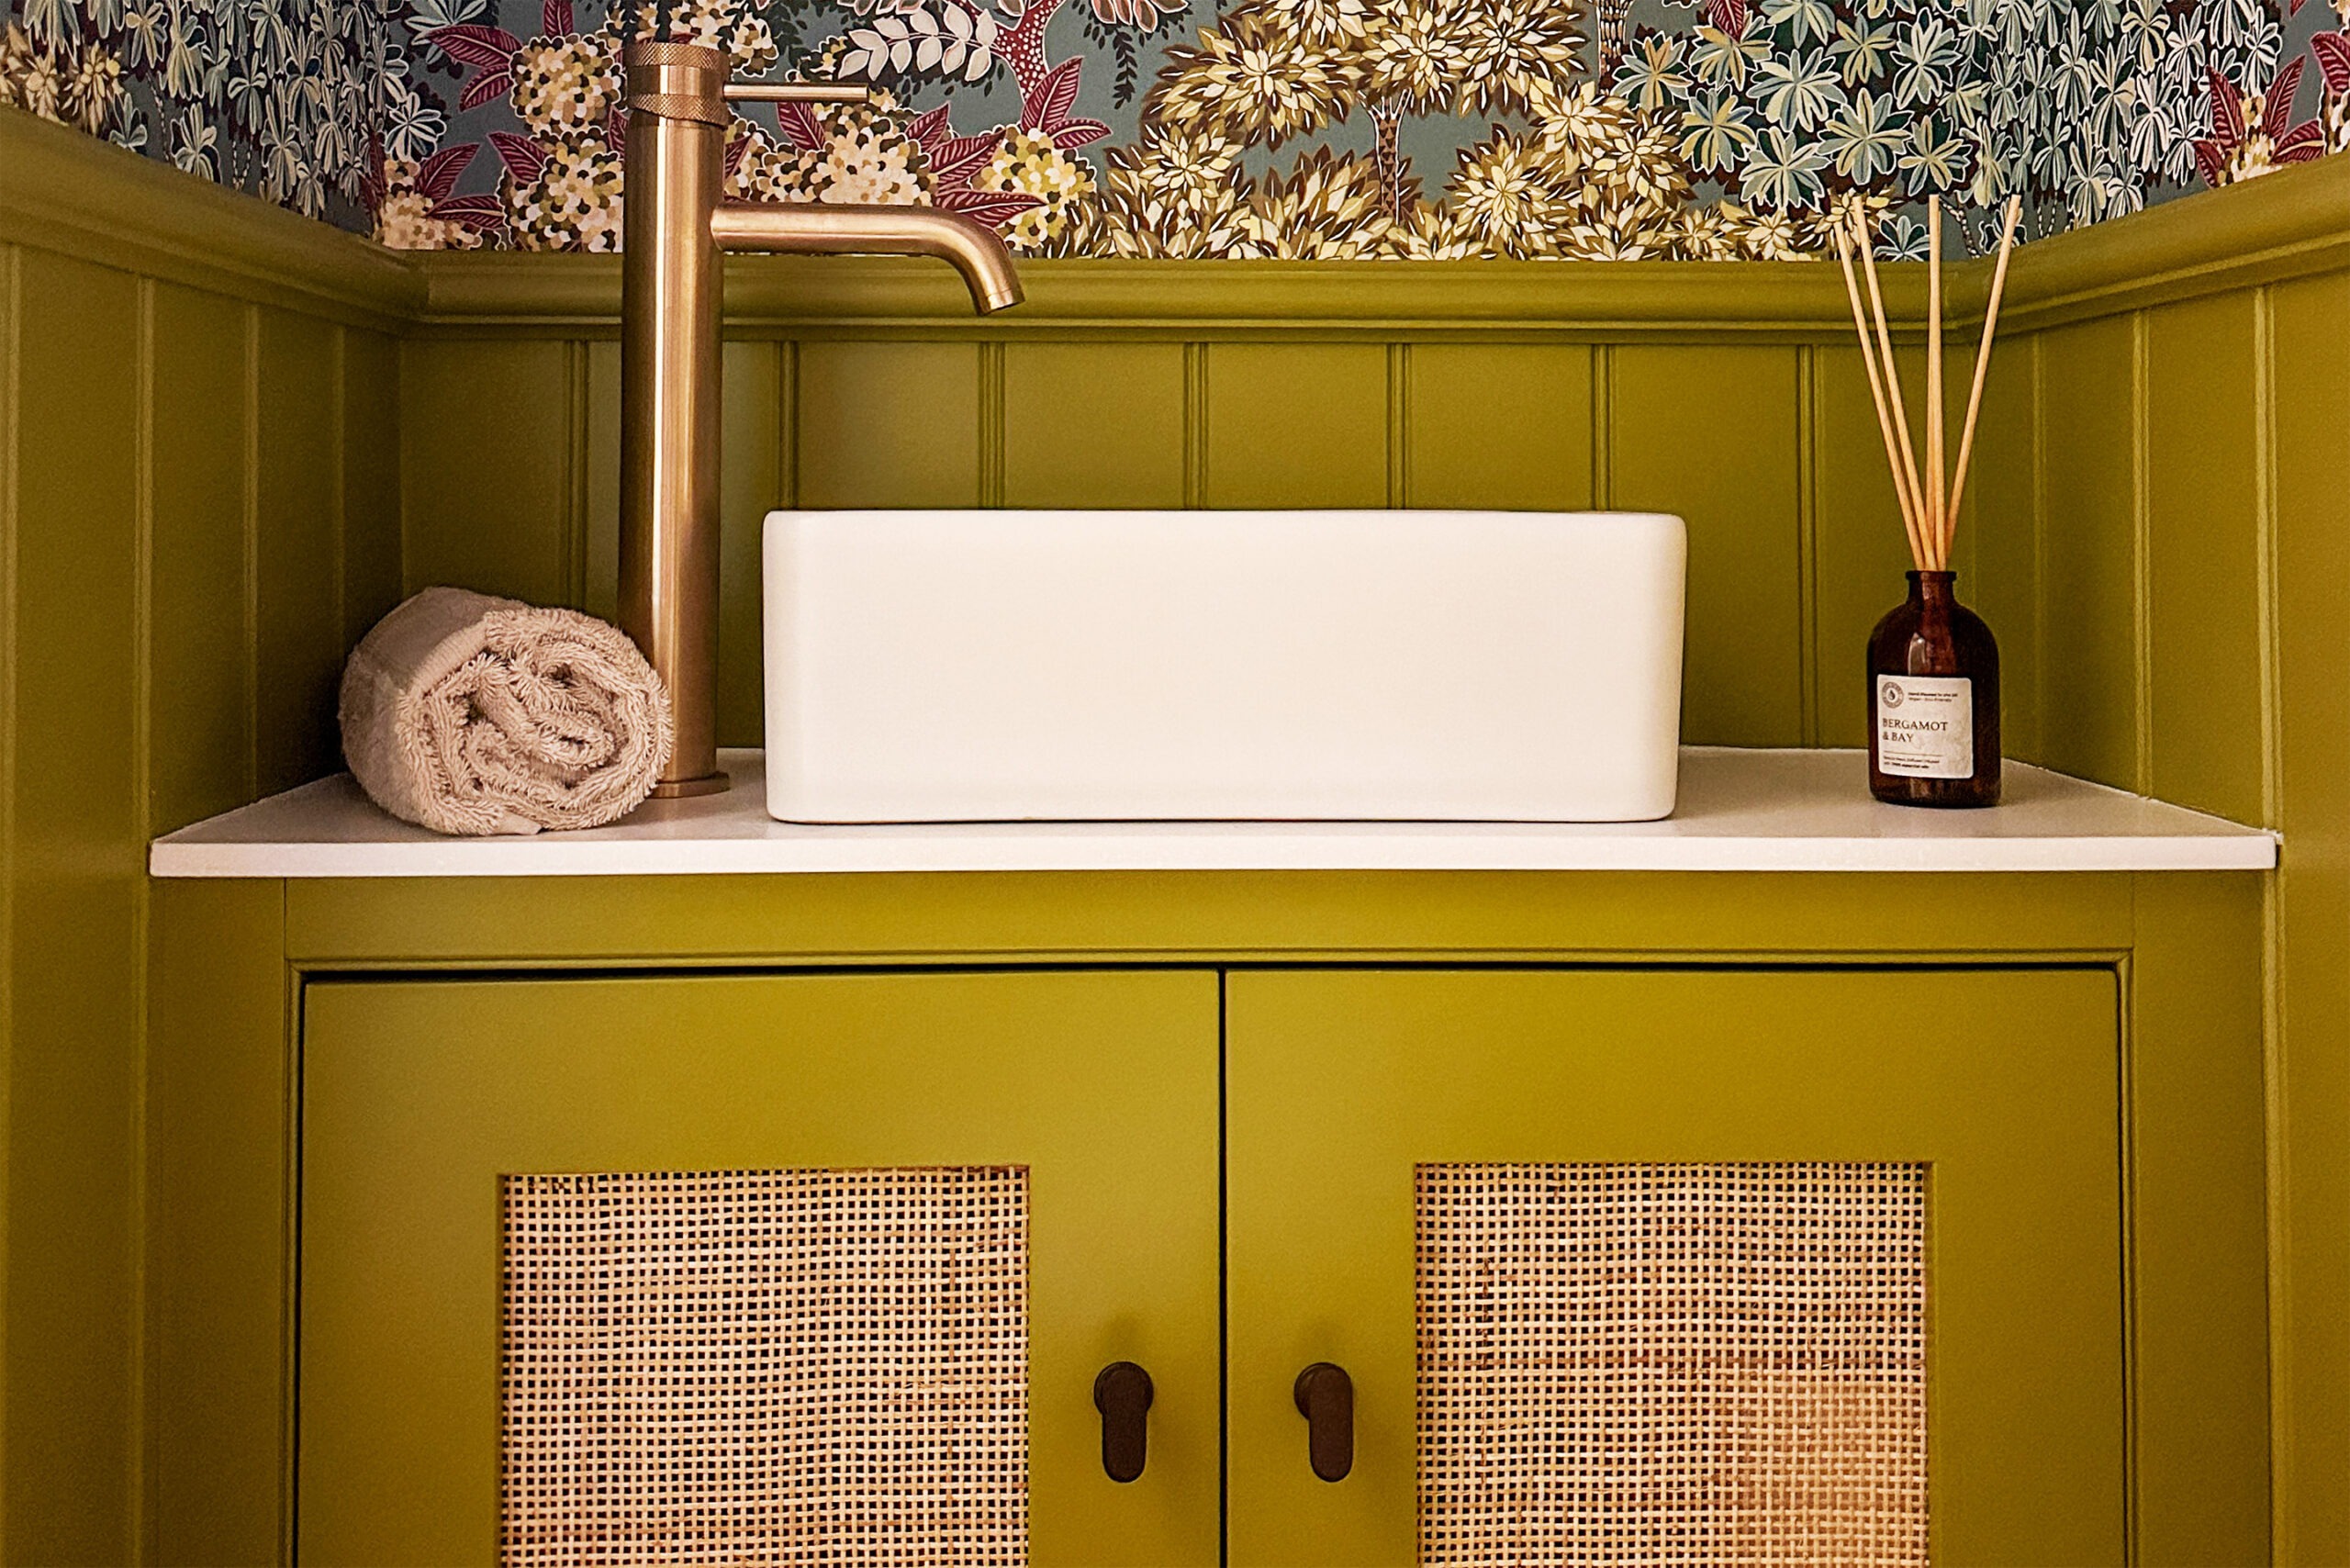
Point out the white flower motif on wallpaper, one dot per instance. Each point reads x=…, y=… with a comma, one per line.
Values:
x=1286, y=128
x=279, y=97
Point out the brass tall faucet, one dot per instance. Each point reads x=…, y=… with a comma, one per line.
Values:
x=676, y=228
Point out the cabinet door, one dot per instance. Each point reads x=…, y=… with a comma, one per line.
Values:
x=1695, y=1265
x=814, y=1268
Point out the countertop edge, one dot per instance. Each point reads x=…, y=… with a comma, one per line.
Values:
x=1780, y=823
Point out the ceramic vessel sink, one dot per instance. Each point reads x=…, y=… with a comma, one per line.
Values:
x=1071, y=666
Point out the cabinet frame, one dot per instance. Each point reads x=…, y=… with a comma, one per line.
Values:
x=231, y=961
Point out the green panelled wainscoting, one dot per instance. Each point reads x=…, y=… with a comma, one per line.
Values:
x=228, y=439
x=199, y=511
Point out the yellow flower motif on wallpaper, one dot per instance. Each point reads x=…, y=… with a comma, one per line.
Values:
x=1325, y=210
x=1028, y=163
x=565, y=86
x=1251, y=82
x=866, y=158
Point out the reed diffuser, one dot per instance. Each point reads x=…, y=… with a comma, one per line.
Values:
x=1933, y=665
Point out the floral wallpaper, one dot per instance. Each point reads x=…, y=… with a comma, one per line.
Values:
x=1280, y=129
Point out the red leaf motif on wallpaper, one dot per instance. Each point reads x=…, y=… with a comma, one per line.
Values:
x=798, y=122
x=476, y=212
x=522, y=157
x=1047, y=109
x=2210, y=161
x=2227, y=113
x=959, y=157
x=1728, y=16
x=483, y=88
x=2304, y=143
x=2277, y=118
x=616, y=130
x=2332, y=51
x=470, y=43
x=370, y=179
x=555, y=18
x=437, y=175
x=1079, y=132
x=929, y=127
x=994, y=209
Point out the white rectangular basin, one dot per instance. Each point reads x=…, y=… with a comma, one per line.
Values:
x=1342, y=666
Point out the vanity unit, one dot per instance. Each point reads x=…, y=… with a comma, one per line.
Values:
x=1237, y=1102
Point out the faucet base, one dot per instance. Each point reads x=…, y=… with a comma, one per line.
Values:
x=683, y=788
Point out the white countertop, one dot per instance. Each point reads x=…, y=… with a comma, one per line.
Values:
x=1739, y=811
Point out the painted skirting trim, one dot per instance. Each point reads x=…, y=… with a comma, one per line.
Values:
x=76, y=194
x=1192, y=300
x=2293, y=223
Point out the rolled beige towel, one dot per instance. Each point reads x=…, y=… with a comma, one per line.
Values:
x=469, y=714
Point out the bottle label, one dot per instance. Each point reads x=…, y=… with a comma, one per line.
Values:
x=1925, y=726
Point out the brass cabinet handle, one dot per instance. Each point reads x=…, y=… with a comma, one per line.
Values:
x=1326, y=1398
x=1122, y=1392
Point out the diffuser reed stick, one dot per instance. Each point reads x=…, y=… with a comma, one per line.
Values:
x=1929, y=509
x=1936, y=484
x=1982, y=366
x=1913, y=516
x=1891, y=381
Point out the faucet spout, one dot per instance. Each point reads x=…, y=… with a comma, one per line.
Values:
x=824, y=229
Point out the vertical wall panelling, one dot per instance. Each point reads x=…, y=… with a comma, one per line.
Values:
x=888, y=424
x=75, y=876
x=601, y=546
x=487, y=457
x=1398, y=442
x=1195, y=424
x=369, y=452
x=200, y=723
x=2203, y=531
x=1860, y=549
x=2002, y=524
x=1504, y=425
x=991, y=423
x=1710, y=432
x=298, y=643
x=1297, y=425
x=11, y=374
x=2091, y=647
x=2311, y=1070
x=750, y=487
x=1093, y=425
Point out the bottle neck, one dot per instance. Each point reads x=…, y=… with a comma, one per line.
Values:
x=1938, y=589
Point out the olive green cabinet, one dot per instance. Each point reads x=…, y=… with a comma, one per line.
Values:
x=1232, y=1173
x=1390, y=1129
x=418, y=1097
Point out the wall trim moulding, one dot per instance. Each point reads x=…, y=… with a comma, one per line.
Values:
x=63, y=191
x=2292, y=223
x=799, y=295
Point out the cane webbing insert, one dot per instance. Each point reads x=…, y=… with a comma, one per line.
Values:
x=1633, y=1364
x=765, y=1366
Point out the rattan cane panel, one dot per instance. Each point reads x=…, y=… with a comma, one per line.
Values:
x=765, y=1367
x=1633, y=1364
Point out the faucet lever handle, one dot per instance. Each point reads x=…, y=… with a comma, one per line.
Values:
x=799, y=92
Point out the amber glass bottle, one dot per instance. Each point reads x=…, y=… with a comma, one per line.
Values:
x=1933, y=701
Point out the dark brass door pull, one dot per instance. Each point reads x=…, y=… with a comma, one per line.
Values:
x=1122, y=1392
x=1326, y=1398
